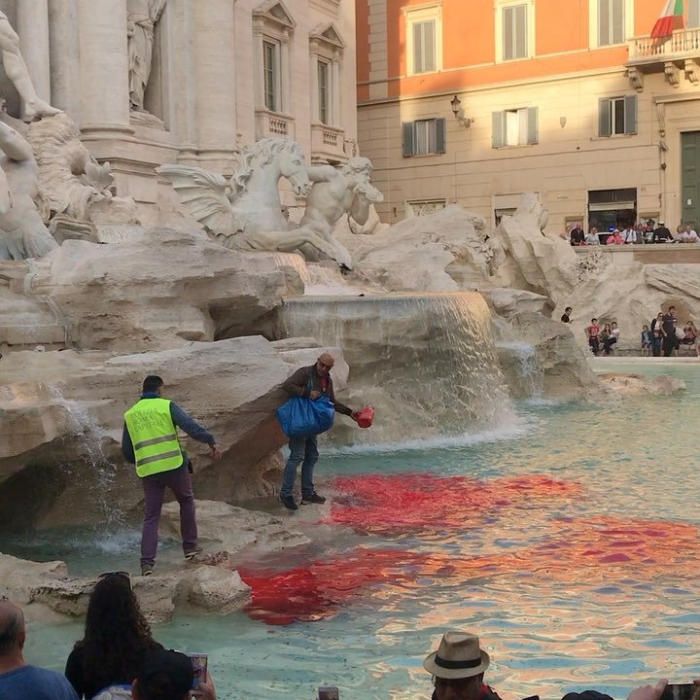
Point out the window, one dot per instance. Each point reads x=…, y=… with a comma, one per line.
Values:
x=515, y=32
x=617, y=115
x=271, y=71
x=694, y=13
x=612, y=209
x=612, y=21
x=423, y=32
x=515, y=127
x=323, y=91
x=423, y=137
x=424, y=207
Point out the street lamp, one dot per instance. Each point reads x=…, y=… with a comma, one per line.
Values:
x=458, y=111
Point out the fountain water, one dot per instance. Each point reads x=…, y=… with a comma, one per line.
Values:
x=426, y=362
x=529, y=373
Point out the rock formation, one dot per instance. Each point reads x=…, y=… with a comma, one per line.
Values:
x=60, y=437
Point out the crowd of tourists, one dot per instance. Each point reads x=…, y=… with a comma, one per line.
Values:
x=639, y=233
x=665, y=336
x=662, y=336
x=118, y=659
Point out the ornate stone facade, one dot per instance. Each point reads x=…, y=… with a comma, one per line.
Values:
x=151, y=82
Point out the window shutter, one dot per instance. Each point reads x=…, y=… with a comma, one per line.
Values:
x=603, y=22
x=618, y=21
x=498, y=136
x=521, y=31
x=508, y=38
x=440, y=136
x=429, y=61
x=417, y=47
x=532, y=126
x=604, y=118
x=407, y=128
x=631, y=114
x=693, y=13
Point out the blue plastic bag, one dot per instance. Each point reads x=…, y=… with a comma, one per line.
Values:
x=300, y=417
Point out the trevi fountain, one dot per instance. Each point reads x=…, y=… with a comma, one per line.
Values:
x=505, y=487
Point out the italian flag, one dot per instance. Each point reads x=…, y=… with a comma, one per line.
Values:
x=671, y=18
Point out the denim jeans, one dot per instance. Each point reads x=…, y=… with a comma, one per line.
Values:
x=302, y=450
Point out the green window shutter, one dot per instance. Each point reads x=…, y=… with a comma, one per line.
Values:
x=408, y=148
x=631, y=114
x=604, y=117
x=498, y=135
x=440, y=135
x=532, y=126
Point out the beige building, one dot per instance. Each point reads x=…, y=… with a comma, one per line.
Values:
x=222, y=74
x=478, y=102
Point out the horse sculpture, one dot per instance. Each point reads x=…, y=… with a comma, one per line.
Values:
x=245, y=212
x=249, y=202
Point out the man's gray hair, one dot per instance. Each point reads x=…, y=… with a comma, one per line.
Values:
x=11, y=627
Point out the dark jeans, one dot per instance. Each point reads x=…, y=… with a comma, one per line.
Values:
x=656, y=347
x=608, y=344
x=305, y=451
x=670, y=344
x=180, y=483
x=594, y=344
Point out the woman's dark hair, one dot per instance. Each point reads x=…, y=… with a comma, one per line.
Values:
x=117, y=635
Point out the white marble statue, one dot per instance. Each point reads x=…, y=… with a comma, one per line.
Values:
x=70, y=179
x=22, y=231
x=16, y=71
x=339, y=191
x=143, y=15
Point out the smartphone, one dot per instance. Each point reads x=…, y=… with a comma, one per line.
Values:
x=328, y=692
x=199, y=664
x=678, y=691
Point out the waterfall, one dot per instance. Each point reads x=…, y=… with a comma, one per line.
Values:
x=92, y=437
x=529, y=374
x=426, y=362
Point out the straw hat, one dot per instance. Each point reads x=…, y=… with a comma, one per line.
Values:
x=458, y=656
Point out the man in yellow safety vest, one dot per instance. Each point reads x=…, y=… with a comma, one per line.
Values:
x=149, y=441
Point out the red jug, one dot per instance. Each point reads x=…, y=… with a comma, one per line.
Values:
x=365, y=416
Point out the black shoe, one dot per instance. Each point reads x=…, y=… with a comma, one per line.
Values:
x=313, y=498
x=147, y=569
x=288, y=502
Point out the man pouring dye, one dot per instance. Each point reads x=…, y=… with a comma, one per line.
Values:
x=150, y=442
x=315, y=384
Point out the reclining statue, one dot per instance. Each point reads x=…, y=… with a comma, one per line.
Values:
x=22, y=231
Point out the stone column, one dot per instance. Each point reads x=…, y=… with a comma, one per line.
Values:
x=213, y=43
x=33, y=30
x=104, y=66
x=65, y=56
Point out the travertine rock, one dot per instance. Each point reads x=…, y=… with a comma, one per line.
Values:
x=46, y=590
x=443, y=252
x=60, y=458
x=559, y=366
x=160, y=290
x=637, y=384
x=226, y=527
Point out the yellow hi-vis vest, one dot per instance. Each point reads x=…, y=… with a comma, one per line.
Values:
x=154, y=437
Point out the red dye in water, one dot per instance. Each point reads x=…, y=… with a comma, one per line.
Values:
x=416, y=502
x=316, y=590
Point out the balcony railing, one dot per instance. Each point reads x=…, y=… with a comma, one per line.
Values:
x=327, y=143
x=273, y=124
x=684, y=43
